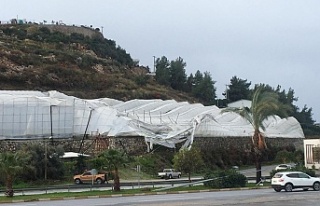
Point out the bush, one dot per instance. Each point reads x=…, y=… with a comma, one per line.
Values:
x=284, y=156
x=225, y=179
x=141, y=80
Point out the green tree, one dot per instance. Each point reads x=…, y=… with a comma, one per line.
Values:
x=40, y=164
x=163, y=71
x=264, y=104
x=198, y=77
x=114, y=160
x=287, y=97
x=305, y=116
x=204, y=88
x=178, y=77
x=238, y=89
x=284, y=156
x=190, y=83
x=11, y=165
x=208, y=93
x=307, y=123
x=188, y=161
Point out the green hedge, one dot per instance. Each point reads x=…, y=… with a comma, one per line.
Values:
x=225, y=179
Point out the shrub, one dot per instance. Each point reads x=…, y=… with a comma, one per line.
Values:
x=225, y=179
x=141, y=80
x=284, y=156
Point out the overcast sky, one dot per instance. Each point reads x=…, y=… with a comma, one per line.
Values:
x=276, y=42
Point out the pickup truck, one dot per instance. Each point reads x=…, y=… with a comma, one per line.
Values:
x=90, y=176
x=169, y=174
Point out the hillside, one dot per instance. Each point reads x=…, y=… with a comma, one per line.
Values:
x=76, y=61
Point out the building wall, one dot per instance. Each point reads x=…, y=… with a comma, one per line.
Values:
x=309, y=159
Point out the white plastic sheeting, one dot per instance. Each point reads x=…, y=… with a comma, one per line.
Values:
x=68, y=155
x=34, y=114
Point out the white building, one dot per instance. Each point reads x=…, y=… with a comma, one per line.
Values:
x=311, y=153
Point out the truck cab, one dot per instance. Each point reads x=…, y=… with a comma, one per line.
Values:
x=91, y=176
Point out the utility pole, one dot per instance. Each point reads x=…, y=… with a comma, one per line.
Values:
x=154, y=64
x=226, y=93
x=45, y=159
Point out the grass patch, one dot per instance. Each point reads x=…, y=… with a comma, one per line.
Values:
x=59, y=195
x=187, y=188
x=253, y=185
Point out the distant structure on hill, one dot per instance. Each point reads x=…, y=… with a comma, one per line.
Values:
x=59, y=26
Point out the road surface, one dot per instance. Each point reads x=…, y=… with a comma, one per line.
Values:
x=258, y=197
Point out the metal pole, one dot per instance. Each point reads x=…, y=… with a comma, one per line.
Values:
x=154, y=64
x=51, y=129
x=85, y=132
x=45, y=159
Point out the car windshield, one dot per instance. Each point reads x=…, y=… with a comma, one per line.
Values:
x=277, y=175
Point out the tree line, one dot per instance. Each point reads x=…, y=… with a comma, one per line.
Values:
x=202, y=86
x=173, y=74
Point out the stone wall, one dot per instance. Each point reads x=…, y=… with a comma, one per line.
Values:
x=92, y=146
x=137, y=145
x=245, y=142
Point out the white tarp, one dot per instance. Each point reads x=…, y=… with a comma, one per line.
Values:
x=34, y=114
x=67, y=155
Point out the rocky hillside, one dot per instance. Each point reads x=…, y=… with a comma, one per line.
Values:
x=39, y=57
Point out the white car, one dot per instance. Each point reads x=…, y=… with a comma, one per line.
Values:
x=293, y=179
x=283, y=167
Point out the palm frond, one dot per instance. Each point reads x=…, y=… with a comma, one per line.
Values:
x=243, y=112
x=264, y=104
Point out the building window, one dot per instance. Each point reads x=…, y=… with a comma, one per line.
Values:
x=309, y=155
x=316, y=154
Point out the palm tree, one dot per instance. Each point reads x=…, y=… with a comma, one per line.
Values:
x=265, y=104
x=114, y=160
x=11, y=165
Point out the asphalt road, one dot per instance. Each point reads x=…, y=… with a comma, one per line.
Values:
x=258, y=197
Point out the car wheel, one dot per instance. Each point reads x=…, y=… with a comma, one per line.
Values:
x=288, y=187
x=170, y=176
x=179, y=176
x=316, y=186
x=77, y=181
x=99, y=181
x=277, y=189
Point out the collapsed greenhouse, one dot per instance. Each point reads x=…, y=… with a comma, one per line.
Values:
x=27, y=115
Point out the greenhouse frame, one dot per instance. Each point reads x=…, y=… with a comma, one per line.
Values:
x=36, y=115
